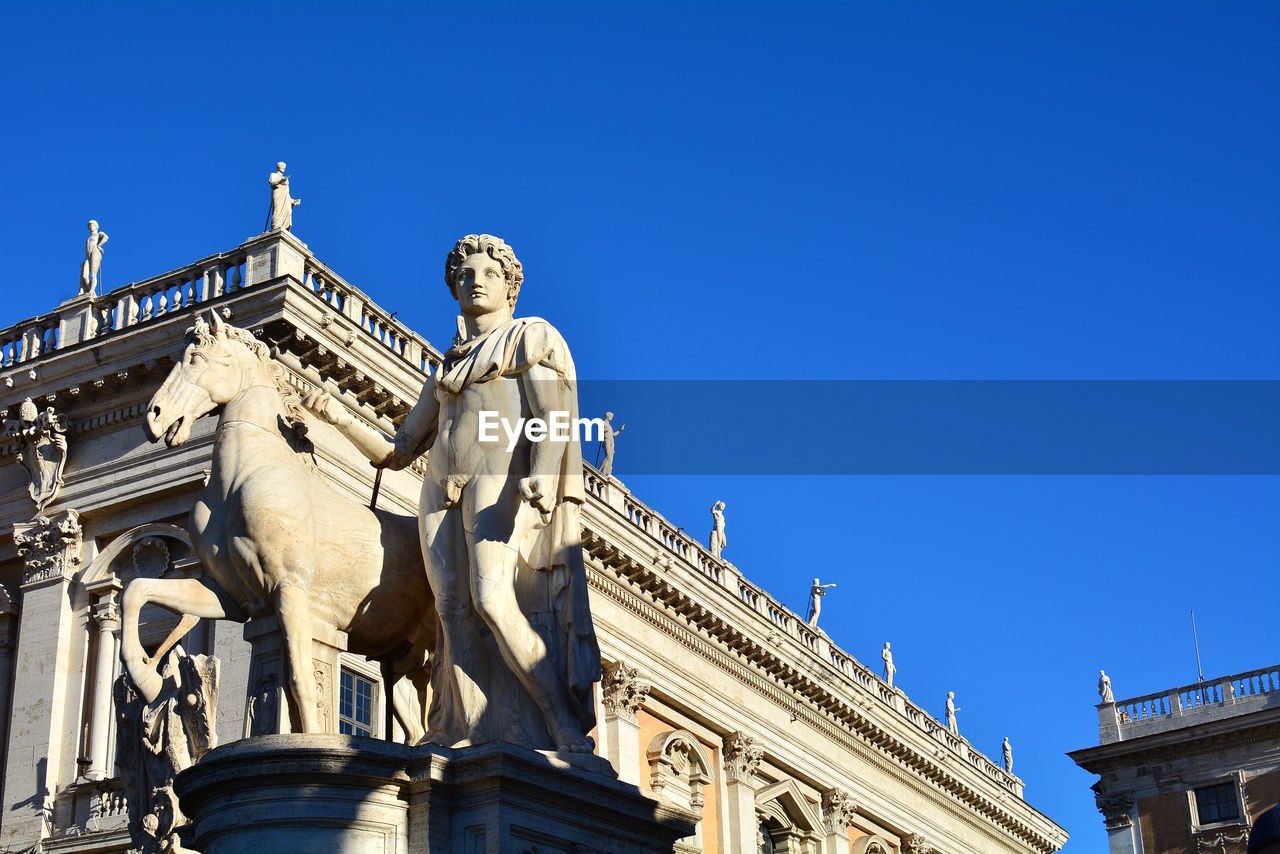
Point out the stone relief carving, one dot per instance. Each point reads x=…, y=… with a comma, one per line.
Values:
x=150, y=557
x=623, y=691
x=155, y=740
x=838, y=810
x=1223, y=843
x=264, y=710
x=539, y=655
x=679, y=768
x=742, y=756
x=42, y=435
x=49, y=546
x=917, y=844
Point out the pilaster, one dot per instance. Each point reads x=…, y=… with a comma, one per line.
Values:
x=741, y=760
x=623, y=695
x=838, y=812
x=50, y=546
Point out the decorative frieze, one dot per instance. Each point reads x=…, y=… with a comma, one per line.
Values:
x=49, y=546
x=41, y=435
x=741, y=757
x=838, y=810
x=623, y=691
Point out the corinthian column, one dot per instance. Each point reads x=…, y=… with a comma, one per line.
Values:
x=107, y=617
x=623, y=695
x=741, y=759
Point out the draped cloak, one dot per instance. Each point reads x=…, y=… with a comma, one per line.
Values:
x=555, y=550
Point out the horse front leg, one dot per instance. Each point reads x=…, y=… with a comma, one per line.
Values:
x=294, y=612
x=185, y=596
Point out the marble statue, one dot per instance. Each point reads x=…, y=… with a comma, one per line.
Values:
x=1007, y=750
x=889, y=668
x=517, y=657
x=274, y=538
x=281, y=212
x=43, y=441
x=717, y=540
x=608, y=437
x=156, y=739
x=1104, y=687
x=816, y=592
x=951, y=713
x=92, y=259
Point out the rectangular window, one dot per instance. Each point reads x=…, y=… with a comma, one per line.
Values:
x=1217, y=803
x=355, y=704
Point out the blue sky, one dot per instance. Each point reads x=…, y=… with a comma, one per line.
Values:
x=986, y=190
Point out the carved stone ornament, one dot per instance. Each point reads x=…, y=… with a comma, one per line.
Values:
x=741, y=757
x=917, y=844
x=150, y=557
x=623, y=691
x=678, y=769
x=157, y=740
x=1223, y=843
x=43, y=441
x=1115, y=809
x=49, y=546
x=838, y=810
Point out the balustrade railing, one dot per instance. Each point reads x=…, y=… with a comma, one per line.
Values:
x=1135, y=714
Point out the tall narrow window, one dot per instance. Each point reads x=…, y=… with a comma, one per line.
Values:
x=355, y=704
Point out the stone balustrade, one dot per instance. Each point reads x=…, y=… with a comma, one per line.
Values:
x=249, y=265
x=1188, y=705
x=670, y=540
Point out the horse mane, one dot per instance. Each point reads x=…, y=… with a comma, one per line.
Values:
x=295, y=413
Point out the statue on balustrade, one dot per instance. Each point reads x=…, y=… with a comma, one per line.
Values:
x=280, y=214
x=1104, y=687
x=1007, y=750
x=92, y=265
x=517, y=657
x=889, y=669
x=607, y=438
x=816, y=591
x=951, y=713
x=717, y=540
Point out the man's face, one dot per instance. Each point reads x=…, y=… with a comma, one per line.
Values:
x=481, y=288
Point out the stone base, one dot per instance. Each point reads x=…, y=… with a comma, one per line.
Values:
x=335, y=793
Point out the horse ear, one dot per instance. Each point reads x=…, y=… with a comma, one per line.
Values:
x=215, y=323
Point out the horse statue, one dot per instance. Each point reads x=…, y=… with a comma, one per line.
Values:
x=273, y=537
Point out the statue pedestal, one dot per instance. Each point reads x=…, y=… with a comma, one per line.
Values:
x=328, y=793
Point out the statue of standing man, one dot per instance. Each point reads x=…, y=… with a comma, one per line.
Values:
x=607, y=438
x=816, y=592
x=716, y=542
x=281, y=213
x=887, y=655
x=516, y=657
x=89, y=270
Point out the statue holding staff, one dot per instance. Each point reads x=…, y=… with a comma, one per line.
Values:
x=280, y=214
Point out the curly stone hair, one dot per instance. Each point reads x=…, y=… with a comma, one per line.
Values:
x=497, y=249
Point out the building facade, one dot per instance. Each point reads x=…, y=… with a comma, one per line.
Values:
x=1188, y=769
x=715, y=697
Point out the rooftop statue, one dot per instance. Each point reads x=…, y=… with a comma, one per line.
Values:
x=889, y=668
x=500, y=523
x=92, y=265
x=951, y=713
x=1104, y=687
x=816, y=592
x=608, y=437
x=1007, y=750
x=717, y=540
x=273, y=537
x=281, y=213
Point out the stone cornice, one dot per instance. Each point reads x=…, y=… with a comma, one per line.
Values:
x=1187, y=743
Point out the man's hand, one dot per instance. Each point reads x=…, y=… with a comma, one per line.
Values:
x=322, y=404
x=540, y=492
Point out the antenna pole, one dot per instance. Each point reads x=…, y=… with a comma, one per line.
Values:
x=1196, y=638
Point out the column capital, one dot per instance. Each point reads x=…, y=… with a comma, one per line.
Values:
x=49, y=546
x=917, y=844
x=106, y=613
x=1115, y=808
x=623, y=691
x=838, y=810
x=742, y=757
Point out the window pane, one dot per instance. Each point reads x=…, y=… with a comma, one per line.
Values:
x=355, y=704
x=1217, y=803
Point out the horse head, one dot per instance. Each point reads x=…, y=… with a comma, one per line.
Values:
x=216, y=365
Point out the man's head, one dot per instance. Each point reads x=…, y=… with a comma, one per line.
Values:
x=886, y=644
x=93, y=226
x=608, y=416
x=280, y=167
x=482, y=272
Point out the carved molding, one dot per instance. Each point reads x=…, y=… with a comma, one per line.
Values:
x=49, y=546
x=623, y=691
x=41, y=437
x=741, y=757
x=838, y=810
